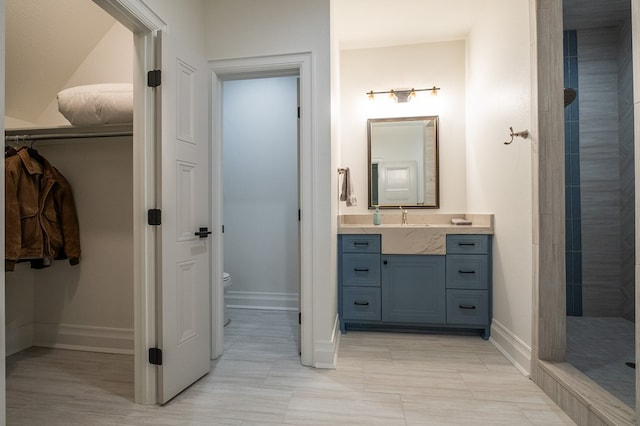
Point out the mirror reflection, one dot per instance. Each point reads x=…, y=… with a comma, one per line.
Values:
x=403, y=162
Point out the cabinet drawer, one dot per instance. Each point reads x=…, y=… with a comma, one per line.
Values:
x=468, y=307
x=361, y=303
x=467, y=244
x=467, y=271
x=360, y=243
x=361, y=269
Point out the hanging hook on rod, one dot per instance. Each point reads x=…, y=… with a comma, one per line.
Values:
x=521, y=134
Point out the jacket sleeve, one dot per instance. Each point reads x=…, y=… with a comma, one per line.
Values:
x=12, y=228
x=68, y=219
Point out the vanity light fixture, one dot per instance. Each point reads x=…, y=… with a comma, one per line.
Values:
x=402, y=95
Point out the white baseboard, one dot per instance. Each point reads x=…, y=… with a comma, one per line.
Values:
x=261, y=300
x=18, y=339
x=512, y=347
x=326, y=352
x=84, y=338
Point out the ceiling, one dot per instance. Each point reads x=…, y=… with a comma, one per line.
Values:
x=362, y=24
x=377, y=23
x=46, y=41
x=583, y=14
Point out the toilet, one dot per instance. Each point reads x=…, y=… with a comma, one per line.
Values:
x=226, y=279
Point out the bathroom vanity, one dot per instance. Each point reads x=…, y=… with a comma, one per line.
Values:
x=422, y=276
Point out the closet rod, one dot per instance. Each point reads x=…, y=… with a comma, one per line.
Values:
x=22, y=138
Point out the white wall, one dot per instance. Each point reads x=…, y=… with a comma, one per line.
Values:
x=90, y=304
x=185, y=20
x=20, y=309
x=111, y=61
x=16, y=123
x=98, y=291
x=417, y=66
x=279, y=27
x=499, y=178
x=260, y=170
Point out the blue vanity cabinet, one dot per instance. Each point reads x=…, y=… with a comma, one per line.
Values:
x=412, y=289
x=469, y=282
x=359, y=278
x=415, y=292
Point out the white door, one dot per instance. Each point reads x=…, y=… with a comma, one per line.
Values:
x=397, y=184
x=185, y=199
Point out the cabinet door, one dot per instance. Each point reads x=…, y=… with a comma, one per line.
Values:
x=413, y=289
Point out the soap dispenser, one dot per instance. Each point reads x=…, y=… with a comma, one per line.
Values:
x=377, y=216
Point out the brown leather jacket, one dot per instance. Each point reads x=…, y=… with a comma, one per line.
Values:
x=40, y=214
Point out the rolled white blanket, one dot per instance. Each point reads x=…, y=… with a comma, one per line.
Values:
x=97, y=104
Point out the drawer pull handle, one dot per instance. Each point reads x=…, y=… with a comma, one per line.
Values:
x=466, y=244
x=467, y=306
x=460, y=271
x=360, y=243
x=358, y=303
x=360, y=270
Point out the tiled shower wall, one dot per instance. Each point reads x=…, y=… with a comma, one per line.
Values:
x=572, y=180
x=627, y=187
x=605, y=172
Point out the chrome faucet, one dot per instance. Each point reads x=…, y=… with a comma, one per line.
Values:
x=404, y=216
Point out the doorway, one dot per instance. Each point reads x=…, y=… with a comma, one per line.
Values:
x=265, y=67
x=261, y=201
x=599, y=187
x=82, y=311
x=144, y=23
x=567, y=386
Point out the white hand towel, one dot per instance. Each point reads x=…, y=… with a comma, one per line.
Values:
x=347, y=193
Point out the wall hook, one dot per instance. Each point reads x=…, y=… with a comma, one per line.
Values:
x=522, y=134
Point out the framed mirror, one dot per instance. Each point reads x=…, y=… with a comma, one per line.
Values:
x=403, y=162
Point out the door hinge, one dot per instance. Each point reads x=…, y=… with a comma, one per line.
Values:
x=155, y=356
x=223, y=229
x=299, y=215
x=299, y=318
x=154, y=217
x=154, y=78
x=298, y=112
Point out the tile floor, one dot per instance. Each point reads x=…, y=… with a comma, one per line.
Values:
x=599, y=347
x=381, y=379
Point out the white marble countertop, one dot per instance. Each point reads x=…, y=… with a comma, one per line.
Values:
x=425, y=233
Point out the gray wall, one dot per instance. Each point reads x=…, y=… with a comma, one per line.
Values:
x=627, y=187
x=606, y=171
x=260, y=179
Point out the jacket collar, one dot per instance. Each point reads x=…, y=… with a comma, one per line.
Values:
x=32, y=166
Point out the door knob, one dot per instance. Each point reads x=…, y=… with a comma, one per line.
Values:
x=202, y=233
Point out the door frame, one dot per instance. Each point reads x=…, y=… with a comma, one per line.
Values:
x=244, y=68
x=144, y=23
